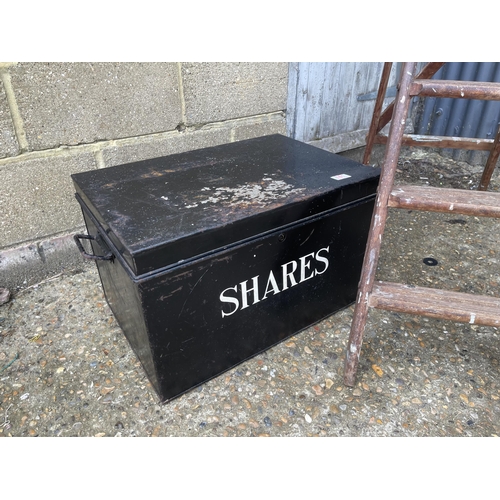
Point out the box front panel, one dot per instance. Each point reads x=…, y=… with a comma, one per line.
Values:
x=210, y=315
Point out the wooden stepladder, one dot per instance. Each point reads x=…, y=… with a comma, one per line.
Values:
x=460, y=307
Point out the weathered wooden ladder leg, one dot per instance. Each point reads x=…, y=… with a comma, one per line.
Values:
x=490, y=163
x=374, y=130
x=434, y=303
x=378, y=224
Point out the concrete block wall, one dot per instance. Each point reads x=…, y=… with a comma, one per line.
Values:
x=60, y=118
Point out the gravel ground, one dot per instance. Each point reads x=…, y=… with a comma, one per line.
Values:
x=67, y=369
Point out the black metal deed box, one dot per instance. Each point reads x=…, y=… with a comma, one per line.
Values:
x=209, y=257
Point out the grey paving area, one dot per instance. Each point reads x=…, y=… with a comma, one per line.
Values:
x=67, y=370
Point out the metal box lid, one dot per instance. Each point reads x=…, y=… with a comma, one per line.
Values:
x=167, y=210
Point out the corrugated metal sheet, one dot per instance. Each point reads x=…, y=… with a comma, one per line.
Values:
x=329, y=100
x=461, y=117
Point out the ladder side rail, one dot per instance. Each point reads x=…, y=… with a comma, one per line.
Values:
x=372, y=132
x=378, y=223
x=490, y=163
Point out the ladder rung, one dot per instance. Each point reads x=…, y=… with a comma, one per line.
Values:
x=454, y=306
x=439, y=141
x=432, y=199
x=456, y=89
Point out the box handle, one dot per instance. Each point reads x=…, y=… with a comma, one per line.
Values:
x=86, y=255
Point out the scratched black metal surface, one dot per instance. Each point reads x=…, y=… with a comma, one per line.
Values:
x=161, y=211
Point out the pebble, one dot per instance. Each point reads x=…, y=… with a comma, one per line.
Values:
x=334, y=409
x=4, y=295
x=268, y=422
x=308, y=418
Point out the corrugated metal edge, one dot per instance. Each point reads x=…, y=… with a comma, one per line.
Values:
x=461, y=117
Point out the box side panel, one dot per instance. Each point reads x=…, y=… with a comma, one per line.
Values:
x=123, y=297
x=208, y=316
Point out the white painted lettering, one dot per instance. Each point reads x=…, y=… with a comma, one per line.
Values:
x=322, y=259
x=230, y=300
x=290, y=275
x=274, y=286
x=250, y=296
x=245, y=291
x=305, y=264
